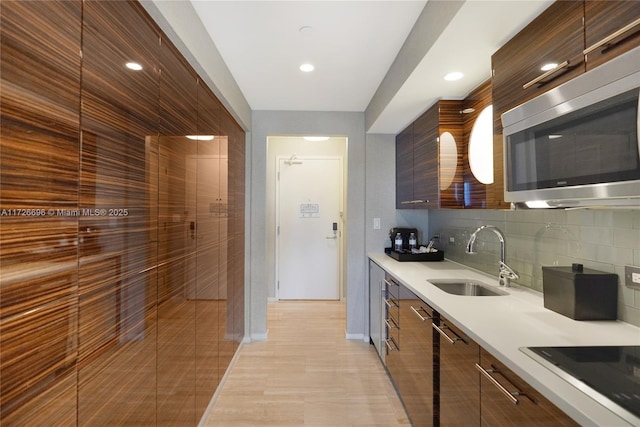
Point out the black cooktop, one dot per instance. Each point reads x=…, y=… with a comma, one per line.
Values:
x=612, y=371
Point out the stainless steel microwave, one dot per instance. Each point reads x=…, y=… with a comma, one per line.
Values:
x=579, y=143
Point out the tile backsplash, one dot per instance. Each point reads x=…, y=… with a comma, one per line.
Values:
x=605, y=240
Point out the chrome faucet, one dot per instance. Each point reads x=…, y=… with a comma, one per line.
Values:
x=505, y=273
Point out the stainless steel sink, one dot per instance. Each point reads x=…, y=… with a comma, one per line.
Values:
x=467, y=287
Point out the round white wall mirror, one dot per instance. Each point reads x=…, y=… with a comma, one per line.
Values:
x=481, y=147
x=448, y=160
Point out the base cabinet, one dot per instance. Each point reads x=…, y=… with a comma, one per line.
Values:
x=415, y=380
x=506, y=399
x=457, y=391
x=376, y=307
x=443, y=377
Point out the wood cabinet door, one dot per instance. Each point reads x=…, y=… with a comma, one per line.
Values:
x=457, y=385
x=425, y=159
x=404, y=169
x=512, y=402
x=415, y=374
x=451, y=165
x=605, y=22
x=555, y=36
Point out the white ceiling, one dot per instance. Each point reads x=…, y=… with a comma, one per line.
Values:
x=352, y=45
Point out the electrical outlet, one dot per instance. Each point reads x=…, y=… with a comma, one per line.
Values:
x=452, y=239
x=632, y=276
x=376, y=223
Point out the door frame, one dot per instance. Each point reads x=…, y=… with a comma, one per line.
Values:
x=342, y=219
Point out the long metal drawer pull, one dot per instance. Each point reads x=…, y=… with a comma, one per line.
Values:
x=545, y=75
x=413, y=202
x=390, y=282
x=395, y=345
x=423, y=319
x=390, y=303
x=612, y=36
x=510, y=395
x=444, y=334
x=391, y=324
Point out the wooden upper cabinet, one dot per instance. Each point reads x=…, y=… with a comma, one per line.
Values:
x=425, y=158
x=451, y=154
x=611, y=28
x=555, y=36
x=404, y=169
x=428, y=177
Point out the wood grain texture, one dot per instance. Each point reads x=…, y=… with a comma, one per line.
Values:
x=120, y=317
x=307, y=374
x=556, y=35
x=603, y=18
x=425, y=158
x=404, y=168
x=532, y=409
x=450, y=120
x=415, y=379
x=459, y=400
x=39, y=158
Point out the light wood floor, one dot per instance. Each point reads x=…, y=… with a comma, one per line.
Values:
x=307, y=374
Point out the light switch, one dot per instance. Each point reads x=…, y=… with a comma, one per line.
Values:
x=376, y=223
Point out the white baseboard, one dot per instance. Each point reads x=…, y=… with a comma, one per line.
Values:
x=260, y=337
x=354, y=336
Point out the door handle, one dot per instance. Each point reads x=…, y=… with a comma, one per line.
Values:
x=331, y=237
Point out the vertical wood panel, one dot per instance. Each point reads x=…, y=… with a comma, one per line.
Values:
x=450, y=120
x=39, y=144
x=117, y=291
x=97, y=328
x=177, y=307
x=425, y=158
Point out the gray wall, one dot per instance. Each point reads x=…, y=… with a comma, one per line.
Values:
x=274, y=123
x=605, y=240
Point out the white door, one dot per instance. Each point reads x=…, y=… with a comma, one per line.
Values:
x=309, y=228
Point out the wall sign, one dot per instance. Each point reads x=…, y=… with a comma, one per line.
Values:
x=309, y=210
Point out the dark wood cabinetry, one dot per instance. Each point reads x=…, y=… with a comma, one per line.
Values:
x=611, y=28
x=457, y=391
x=444, y=377
x=414, y=379
x=555, y=36
x=506, y=399
x=420, y=162
x=404, y=169
x=120, y=302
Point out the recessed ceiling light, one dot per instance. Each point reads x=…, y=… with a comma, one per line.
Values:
x=307, y=68
x=453, y=76
x=549, y=66
x=133, y=66
x=316, y=138
x=200, y=137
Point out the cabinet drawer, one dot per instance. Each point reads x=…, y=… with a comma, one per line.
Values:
x=393, y=288
x=506, y=399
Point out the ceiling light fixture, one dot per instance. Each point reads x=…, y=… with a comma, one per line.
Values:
x=133, y=66
x=453, y=76
x=549, y=66
x=307, y=68
x=200, y=137
x=316, y=138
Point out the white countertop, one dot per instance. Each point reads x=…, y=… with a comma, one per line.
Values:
x=504, y=324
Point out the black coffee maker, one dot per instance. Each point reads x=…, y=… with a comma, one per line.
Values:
x=405, y=233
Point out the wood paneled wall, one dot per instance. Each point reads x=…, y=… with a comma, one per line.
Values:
x=121, y=240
